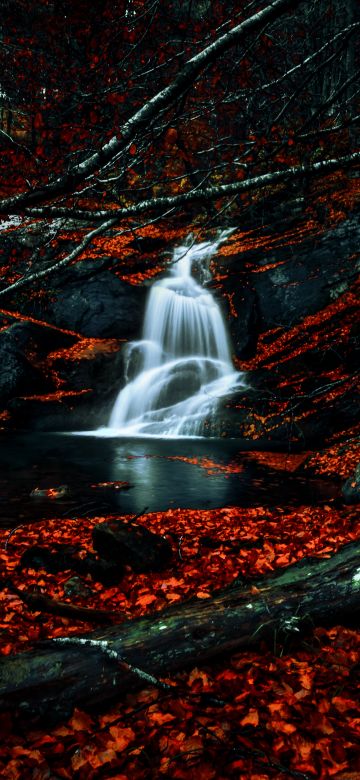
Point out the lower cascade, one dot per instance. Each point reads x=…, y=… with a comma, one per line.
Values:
x=182, y=366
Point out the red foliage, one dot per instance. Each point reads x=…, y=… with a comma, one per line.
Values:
x=262, y=714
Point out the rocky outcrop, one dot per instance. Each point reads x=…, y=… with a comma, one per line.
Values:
x=43, y=384
x=18, y=375
x=95, y=302
x=290, y=277
x=87, y=393
x=244, y=322
x=296, y=297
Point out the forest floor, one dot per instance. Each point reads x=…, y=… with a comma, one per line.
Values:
x=285, y=711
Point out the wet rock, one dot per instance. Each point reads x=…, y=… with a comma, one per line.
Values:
x=102, y=373
x=352, y=357
x=101, y=306
x=263, y=411
x=134, y=354
x=292, y=281
x=68, y=413
x=75, y=586
x=351, y=488
x=61, y=491
x=243, y=322
x=14, y=372
x=89, y=388
x=17, y=375
x=47, y=339
x=38, y=339
x=132, y=545
x=307, y=277
x=179, y=387
x=149, y=244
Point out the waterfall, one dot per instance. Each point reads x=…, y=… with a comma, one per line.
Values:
x=178, y=371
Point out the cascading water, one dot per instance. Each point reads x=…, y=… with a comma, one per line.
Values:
x=182, y=366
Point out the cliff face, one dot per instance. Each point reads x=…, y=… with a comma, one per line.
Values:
x=292, y=303
x=288, y=291
x=284, y=278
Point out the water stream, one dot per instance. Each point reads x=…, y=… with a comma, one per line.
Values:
x=123, y=476
x=182, y=366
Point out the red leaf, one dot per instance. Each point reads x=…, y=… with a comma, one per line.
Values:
x=38, y=121
x=251, y=719
x=80, y=721
x=121, y=736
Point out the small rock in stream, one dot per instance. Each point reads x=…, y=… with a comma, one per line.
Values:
x=53, y=493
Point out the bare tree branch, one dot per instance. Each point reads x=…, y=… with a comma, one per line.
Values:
x=205, y=193
x=346, y=32
x=25, y=280
x=331, y=100
x=118, y=144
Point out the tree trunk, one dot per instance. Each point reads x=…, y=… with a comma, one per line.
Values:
x=97, y=667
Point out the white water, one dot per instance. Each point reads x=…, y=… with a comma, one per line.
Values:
x=182, y=366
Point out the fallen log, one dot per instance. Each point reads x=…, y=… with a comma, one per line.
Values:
x=37, y=557
x=97, y=667
x=37, y=602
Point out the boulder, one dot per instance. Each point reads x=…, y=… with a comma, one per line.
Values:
x=102, y=374
x=65, y=413
x=131, y=545
x=98, y=305
x=37, y=337
x=18, y=376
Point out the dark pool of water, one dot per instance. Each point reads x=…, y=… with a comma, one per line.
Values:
x=158, y=477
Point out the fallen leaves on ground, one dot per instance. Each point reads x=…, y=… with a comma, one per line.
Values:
x=257, y=715
x=340, y=457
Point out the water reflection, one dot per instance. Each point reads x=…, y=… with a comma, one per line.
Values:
x=162, y=474
x=162, y=480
